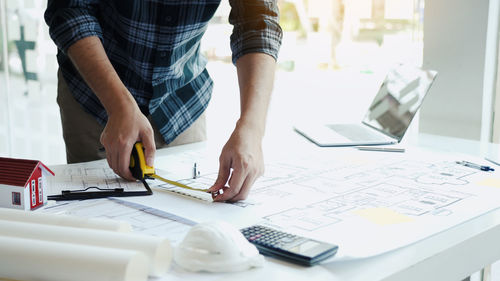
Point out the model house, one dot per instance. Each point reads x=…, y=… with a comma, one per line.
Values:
x=22, y=183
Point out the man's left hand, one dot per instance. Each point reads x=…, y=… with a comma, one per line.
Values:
x=241, y=162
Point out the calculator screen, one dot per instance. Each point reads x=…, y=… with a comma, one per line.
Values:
x=304, y=247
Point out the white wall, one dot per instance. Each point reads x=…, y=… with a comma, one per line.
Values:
x=6, y=196
x=454, y=45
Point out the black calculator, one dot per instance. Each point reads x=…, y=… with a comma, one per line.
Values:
x=289, y=247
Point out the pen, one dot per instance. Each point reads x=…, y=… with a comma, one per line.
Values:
x=475, y=166
x=376, y=148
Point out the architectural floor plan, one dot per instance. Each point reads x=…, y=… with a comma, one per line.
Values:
x=367, y=203
x=397, y=198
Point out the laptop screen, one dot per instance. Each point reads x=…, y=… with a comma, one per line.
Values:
x=398, y=100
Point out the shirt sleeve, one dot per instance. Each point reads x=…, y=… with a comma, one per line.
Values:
x=72, y=20
x=256, y=28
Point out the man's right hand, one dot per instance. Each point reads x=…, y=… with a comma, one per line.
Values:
x=126, y=123
x=126, y=126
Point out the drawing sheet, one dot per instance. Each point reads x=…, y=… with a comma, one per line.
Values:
x=143, y=219
x=367, y=203
x=88, y=174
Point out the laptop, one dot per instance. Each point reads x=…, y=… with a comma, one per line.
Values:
x=388, y=117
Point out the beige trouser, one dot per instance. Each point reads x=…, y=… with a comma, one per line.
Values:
x=82, y=132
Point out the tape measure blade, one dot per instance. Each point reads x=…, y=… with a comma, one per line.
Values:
x=176, y=183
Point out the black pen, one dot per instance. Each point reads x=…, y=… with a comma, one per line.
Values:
x=475, y=166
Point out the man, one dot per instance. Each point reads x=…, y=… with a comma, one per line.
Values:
x=132, y=70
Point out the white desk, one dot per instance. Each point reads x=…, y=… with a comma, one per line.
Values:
x=450, y=255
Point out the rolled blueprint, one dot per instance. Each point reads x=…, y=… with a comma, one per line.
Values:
x=28, y=259
x=64, y=220
x=157, y=249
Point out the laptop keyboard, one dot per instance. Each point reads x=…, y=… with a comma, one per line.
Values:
x=356, y=132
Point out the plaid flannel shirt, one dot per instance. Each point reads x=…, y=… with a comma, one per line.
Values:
x=154, y=46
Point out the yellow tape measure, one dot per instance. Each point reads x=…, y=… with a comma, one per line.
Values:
x=141, y=171
x=177, y=183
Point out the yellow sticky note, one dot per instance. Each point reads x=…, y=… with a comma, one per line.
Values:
x=382, y=216
x=493, y=182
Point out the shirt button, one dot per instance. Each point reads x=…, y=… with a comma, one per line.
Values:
x=163, y=54
x=168, y=18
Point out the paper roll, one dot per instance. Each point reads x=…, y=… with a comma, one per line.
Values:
x=64, y=220
x=157, y=249
x=28, y=259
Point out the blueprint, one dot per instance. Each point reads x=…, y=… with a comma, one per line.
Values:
x=340, y=197
x=368, y=203
x=89, y=174
x=143, y=219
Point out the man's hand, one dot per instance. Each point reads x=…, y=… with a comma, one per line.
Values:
x=126, y=126
x=241, y=161
x=126, y=123
x=240, y=164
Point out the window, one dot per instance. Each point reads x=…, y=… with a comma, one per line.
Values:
x=40, y=190
x=28, y=69
x=334, y=55
x=33, y=192
x=16, y=198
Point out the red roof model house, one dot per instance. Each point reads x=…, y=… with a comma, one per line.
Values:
x=22, y=183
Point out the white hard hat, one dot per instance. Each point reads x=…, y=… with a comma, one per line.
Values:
x=216, y=247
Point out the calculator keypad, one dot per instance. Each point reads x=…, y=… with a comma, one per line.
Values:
x=267, y=237
x=288, y=247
